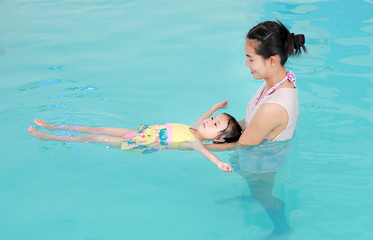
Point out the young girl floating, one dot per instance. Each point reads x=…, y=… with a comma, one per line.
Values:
x=221, y=128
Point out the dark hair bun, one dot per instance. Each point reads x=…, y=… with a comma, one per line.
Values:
x=299, y=40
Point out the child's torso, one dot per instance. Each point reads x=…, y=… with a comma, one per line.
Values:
x=178, y=133
x=157, y=137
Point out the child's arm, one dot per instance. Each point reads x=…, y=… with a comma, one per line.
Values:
x=209, y=112
x=199, y=147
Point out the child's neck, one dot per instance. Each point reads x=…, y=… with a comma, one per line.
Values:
x=195, y=133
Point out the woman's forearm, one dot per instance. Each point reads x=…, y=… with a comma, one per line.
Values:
x=221, y=147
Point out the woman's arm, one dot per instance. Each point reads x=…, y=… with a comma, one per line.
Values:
x=199, y=147
x=242, y=123
x=221, y=147
x=209, y=112
x=269, y=121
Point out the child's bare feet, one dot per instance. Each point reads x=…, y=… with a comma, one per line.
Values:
x=38, y=134
x=43, y=124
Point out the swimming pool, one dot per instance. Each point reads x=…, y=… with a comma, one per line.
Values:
x=123, y=63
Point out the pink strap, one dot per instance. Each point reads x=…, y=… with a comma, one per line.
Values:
x=289, y=76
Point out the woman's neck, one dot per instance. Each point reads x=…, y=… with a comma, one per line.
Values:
x=276, y=76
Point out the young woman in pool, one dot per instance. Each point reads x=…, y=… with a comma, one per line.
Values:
x=221, y=128
x=272, y=113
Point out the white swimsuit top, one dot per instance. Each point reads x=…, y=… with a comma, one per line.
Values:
x=287, y=98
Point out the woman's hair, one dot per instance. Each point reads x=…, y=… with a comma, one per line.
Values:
x=231, y=133
x=275, y=39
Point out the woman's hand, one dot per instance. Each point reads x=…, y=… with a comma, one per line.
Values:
x=220, y=105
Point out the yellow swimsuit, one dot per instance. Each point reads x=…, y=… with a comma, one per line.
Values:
x=148, y=139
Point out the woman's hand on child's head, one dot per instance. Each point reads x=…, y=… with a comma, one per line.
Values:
x=220, y=105
x=225, y=167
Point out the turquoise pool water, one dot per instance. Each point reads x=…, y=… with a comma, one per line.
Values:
x=123, y=63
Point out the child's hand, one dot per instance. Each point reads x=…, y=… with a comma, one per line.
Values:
x=225, y=167
x=220, y=105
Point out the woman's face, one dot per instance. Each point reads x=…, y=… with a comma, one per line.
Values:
x=257, y=64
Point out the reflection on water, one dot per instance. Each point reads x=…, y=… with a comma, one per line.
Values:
x=266, y=157
x=258, y=166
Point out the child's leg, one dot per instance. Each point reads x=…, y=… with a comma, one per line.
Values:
x=116, y=132
x=102, y=139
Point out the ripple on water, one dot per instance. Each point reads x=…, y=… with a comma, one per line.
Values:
x=55, y=68
x=83, y=88
x=47, y=107
x=40, y=84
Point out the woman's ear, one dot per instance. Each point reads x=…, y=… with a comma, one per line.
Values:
x=273, y=60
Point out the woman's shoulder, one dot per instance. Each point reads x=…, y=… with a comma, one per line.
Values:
x=270, y=110
x=283, y=95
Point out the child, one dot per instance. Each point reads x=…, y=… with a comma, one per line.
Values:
x=221, y=128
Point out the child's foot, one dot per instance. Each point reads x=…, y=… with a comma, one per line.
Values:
x=43, y=124
x=37, y=134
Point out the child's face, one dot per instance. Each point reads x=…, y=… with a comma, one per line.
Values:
x=210, y=128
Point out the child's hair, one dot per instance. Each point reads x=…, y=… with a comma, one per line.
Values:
x=275, y=39
x=231, y=133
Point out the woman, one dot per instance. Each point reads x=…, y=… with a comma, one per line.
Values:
x=271, y=114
